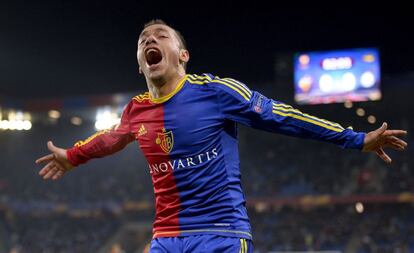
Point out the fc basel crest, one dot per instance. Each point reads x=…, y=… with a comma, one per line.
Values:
x=165, y=140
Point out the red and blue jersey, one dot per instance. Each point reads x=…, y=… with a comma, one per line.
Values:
x=189, y=139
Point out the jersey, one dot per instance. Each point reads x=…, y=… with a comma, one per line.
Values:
x=189, y=139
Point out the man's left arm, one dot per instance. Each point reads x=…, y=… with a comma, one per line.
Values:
x=240, y=104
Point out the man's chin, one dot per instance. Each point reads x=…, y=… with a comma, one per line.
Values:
x=155, y=74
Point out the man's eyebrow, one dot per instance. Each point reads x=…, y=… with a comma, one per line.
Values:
x=142, y=33
x=160, y=29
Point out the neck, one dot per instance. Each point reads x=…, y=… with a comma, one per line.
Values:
x=160, y=87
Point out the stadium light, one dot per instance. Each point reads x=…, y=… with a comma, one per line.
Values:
x=27, y=116
x=54, y=114
x=359, y=207
x=260, y=207
x=4, y=124
x=348, y=104
x=16, y=121
x=105, y=119
x=19, y=124
x=11, y=115
x=360, y=112
x=16, y=125
x=76, y=121
x=12, y=125
x=27, y=125
x=372, y=119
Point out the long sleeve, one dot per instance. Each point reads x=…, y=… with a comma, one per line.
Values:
x=240, y=104
x=102, y=143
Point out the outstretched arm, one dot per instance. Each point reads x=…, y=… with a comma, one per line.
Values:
x=375, y=141
x=240, y=104
x=103, y=143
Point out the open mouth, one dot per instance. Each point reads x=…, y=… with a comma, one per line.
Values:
x=153, y=56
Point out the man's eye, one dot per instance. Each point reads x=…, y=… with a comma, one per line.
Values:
x=163, y=36
x=141, y=41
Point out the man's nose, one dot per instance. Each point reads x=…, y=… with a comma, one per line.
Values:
x=151, y=39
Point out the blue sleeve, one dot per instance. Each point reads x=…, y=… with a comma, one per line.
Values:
x=238, y=103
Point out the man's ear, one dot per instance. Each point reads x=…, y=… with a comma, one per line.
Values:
x=184, y=55
x=139, y=70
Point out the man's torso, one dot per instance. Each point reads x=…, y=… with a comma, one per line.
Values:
x=193, y=160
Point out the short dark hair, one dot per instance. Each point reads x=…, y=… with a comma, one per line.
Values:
x=180, y=37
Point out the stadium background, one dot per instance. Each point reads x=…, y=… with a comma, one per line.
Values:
x=79, y=57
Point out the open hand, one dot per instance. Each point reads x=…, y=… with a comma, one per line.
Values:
x=57, y=163
x=377, y=140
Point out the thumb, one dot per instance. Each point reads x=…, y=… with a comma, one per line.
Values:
x=382, y=129
x=52, y=147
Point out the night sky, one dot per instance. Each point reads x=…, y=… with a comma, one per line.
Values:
x=66, y=48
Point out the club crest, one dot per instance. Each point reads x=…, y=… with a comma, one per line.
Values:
x=165, y=140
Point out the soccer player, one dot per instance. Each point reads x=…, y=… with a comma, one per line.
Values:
x=186, y=126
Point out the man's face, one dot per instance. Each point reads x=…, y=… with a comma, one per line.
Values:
x=159, y=51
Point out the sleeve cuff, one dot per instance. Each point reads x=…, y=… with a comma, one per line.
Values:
x=355, y=140
x=71, y=156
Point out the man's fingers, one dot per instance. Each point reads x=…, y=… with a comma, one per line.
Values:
x=58, y=175
x=394, y=141
x=395, y=133
x=54, y=170
x=380, y=152
x=60, y=165
x=45, y=158
x=397, y=140
x=46, y=168
x=394, y=146
x=51, y=172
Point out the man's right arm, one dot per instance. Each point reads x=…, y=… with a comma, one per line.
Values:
x=102, y=143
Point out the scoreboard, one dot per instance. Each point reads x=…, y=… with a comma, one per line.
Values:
x=337, y=76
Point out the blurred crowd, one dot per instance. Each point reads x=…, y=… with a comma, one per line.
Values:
x=27, y=234
x=379, y=229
